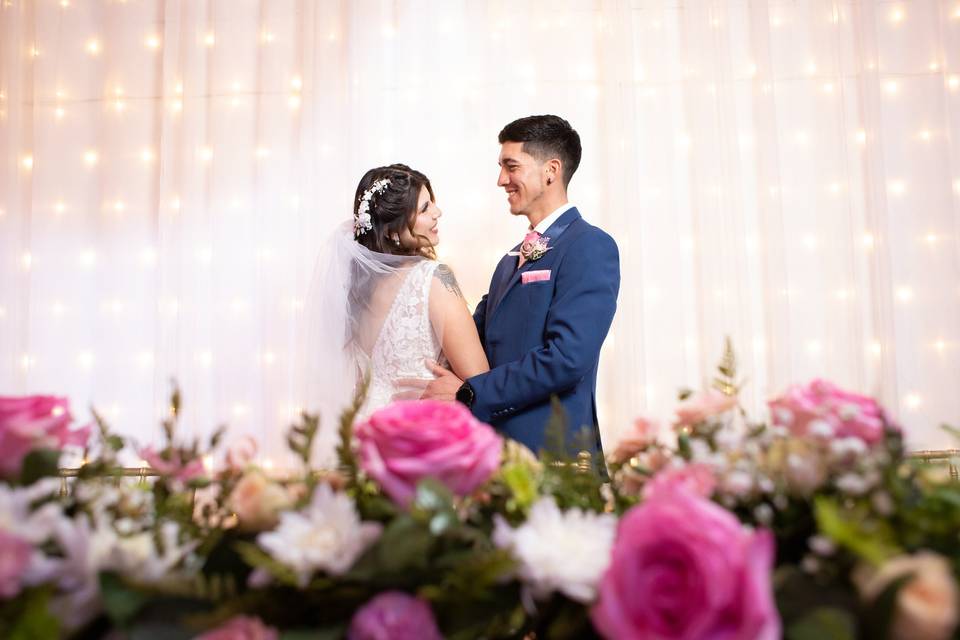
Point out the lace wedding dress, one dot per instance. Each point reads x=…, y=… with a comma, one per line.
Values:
x=405, y=341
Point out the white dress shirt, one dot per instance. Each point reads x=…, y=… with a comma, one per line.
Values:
x=550, y=219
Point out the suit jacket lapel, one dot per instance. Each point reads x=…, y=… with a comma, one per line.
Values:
x=553, y=232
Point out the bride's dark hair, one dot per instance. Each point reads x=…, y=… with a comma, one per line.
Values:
x=393, y=208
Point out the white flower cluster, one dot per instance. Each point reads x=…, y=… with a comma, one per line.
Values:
x=559, y=551
x=362, y=222
x=328, y=535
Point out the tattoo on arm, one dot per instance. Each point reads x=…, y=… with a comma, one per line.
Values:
x=446, y=277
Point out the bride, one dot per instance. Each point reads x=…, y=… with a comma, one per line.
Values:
x=380, y=303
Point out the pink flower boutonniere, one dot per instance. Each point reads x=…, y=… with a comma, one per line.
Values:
x=534, y=246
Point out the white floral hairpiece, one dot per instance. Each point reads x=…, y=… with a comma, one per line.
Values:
x=362, y=221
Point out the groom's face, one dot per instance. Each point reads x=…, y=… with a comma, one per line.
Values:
x=522, y=176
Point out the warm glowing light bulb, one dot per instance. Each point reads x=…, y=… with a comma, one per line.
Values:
x=953, y=82
x=90, y=158
x=828, y=87
x=861, y=137
x=146, y=154
x=85, y=359
x=60, y=112
x=912, y=400
x=868, y=240
x=26, y=260
x=206, y=154
x=59, y=207
x=210, y=39
x=27, y=162
x=891, y=87
x=296, y=83
x=152, y=42
x=904, y=294
x=925, y=135
x=93, y=46
x=897, y=187
x=119, y=206
x=294, y=102
x=896, y=16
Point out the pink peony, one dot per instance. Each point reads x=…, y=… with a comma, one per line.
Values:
x=411, y=440
x=394, y=615
x=15, y=555
x=241, y=628
x=703, y=405
x=697, y=478
x=175, y=467
x=820, y=407
x=682, y=567
x=35, y=422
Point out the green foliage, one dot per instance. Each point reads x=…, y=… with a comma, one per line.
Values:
x=27, y=617
x=40, y=463
x=301, y=436
x=825, y=623
x=345, y=453
x=522, y=483
x=257, y=558
x=868, y=538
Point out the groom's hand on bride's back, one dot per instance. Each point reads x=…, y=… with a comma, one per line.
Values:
x=443, y=387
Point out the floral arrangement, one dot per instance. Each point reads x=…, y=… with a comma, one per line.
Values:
x=811, y=524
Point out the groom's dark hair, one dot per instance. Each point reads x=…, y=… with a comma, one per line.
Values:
x=547, y=137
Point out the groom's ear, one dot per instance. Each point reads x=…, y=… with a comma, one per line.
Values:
x=554, y=170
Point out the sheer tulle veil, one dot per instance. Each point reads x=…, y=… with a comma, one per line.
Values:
x=352, y=291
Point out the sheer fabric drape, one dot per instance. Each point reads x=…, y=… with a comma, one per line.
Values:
x=786, y=173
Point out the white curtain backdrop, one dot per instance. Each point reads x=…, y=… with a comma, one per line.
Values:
x=785, y=172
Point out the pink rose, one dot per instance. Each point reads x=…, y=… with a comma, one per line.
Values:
x=15, y=555
x=173, y=467
x=258, y=502
x=394, y=615
x=822, y=408
x=411, y=440
x=241, y=628
x=703, y=405
x=682, y=567
x=35, y=422
x=697, y=478
x=643, y=434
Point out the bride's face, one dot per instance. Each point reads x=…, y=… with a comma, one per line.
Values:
x=425, y=224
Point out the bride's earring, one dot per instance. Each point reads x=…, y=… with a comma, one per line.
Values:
x=396, y=239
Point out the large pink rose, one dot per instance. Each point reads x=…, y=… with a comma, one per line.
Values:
x=35, y=422
x=411, y=440
x=394, y=615
x=15, y=555
x=827, y=408
x=684, y=568
x=174, y=467
x=241, y=628
x=703, y=405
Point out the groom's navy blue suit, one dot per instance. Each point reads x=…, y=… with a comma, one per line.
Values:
x=543, y=338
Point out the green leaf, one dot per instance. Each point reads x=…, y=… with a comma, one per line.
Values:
x=260, y=559
x=34, y=622
x=345, y=453
x=520, y=480
x=824, y=623
x=555, y=434
x=40, y=463
x=120, y=601
x=404, y=545
x=848, y=529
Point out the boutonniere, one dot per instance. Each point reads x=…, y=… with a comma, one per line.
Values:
x=534, y=246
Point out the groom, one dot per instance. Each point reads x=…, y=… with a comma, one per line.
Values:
x=551, y=299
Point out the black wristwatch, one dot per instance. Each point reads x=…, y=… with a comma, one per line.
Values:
x=465, y=395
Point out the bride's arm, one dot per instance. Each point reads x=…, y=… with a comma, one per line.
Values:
x=454, y=324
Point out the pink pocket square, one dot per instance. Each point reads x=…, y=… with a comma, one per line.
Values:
x=535, y=276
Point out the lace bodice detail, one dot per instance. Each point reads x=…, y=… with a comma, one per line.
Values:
x=405, y=341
